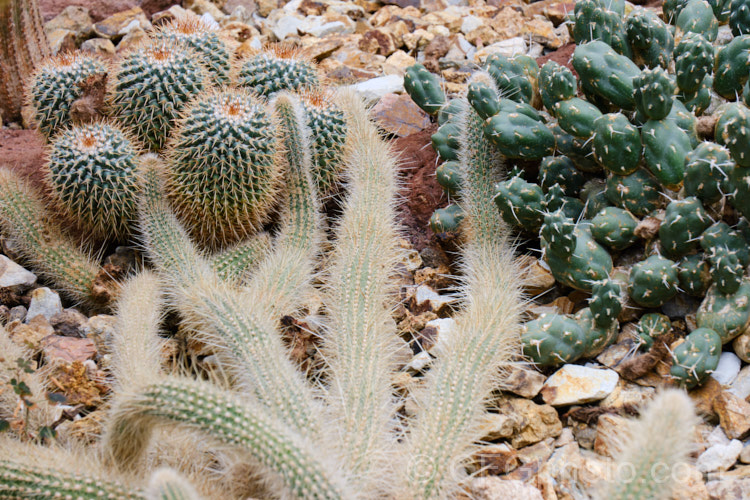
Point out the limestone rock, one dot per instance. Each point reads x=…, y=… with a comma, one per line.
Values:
x=494, y=488
x=14, y=277
x=120, y=24
x=627, y=394
x=496, y=426
x=741, y=385
x=728, y=368
x=576, y=384
x=496, y=459
x=734, y=415
x=609, y=428
x=98, y=46
x=737, y=489
x=524, y=381
x=536, y=422
x=507, y=48
x=67, y=349
x=70, y=323
x=741, y=346
x=72, y=18
x=61, y=41
x=31, y=333
x=397, y=63
x=398, y=115
x=45, y=302
x=719, y=457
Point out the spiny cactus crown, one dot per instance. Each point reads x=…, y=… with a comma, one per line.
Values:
x=54, y=87
x=93, y=171
x=277, y=68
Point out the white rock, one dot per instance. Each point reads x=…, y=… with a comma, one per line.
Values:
x=444, y=327
x=495, y=488
x=292, y=6
x=470, y=23
x=717, y=437
x=719, y=457
x=13, y=275
x=419, y=362
x=436, y=301
x=375, y=88
x=575, y=384
x=287, y=26
x=741, y=385
x=467, y=47
x=331, y=28
x=507, y=48
x=728, y=368
x=45, y=302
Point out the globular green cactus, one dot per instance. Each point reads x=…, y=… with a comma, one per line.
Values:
x=707, y=169
x=552, y=339
x=695, y=359
x=561, y=170
x=152, y=85
x=221, y=184
x=510, y=77
x=555, y=199
x=451, y=110
x=694, y=57
x=651, y=326
x=614, y=228
x=726, y=314
x=574, y=257
x=600, y=20
x=685, y=120
x=616, y=144
x=721, y=9
x=732, y=67
x=276, y=68
x=638, y=192
x=700, y=100
x=483, y=99
x=518, y=136
x=739, y=189
x=735, y=132
x=609, y=74
x=556, y=83
x=739, y=17
x=665, y=147
x=54, y=87
x=726, y=269
x=653, y=281
x=605, y=303
x=698, y=17
x=672, y=8
x=448, y=177
x=424, y=89
x=447, y=220
x=654, y=91
x=650, y=39
x=445, y=140
x=205, y=40
x=596, y=337
x=327, y=135
x=594, y=197
x=684, y=222
x=577, y=116
x=694, y=274
x=578, y=150
x=93, y=173
x=721, y=236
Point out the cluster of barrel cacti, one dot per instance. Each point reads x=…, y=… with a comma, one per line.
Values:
x=618, y=155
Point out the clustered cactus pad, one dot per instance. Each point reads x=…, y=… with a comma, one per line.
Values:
x=625, y=170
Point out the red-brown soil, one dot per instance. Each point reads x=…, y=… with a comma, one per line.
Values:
x=421, y=194
x=23, y=152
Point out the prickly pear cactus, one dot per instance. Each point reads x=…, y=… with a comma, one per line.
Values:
x=614, y=228
x=651, y=326
x=424, y=89
x=684, y=221
x=447, y=220
x=520, y=203
x=552, y=339
x=654, y=92
x=695, y=359
x=556, y=83
x=653, y=281
x=728, y=315
x=616, y=144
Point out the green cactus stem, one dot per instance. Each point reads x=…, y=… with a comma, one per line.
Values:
x=696, y=358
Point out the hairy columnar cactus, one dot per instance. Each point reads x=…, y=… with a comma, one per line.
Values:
x=55, y=86
x=359, y=343
x=276, y=68
x=93, y=172
x=151, y=86
x=286, y=456
x=657, y=442
x=166, y=484
x=235, y=262
x=223, y=170
x=24, y=218
x=243, y=322
x=486, y=334
x=23, y=46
